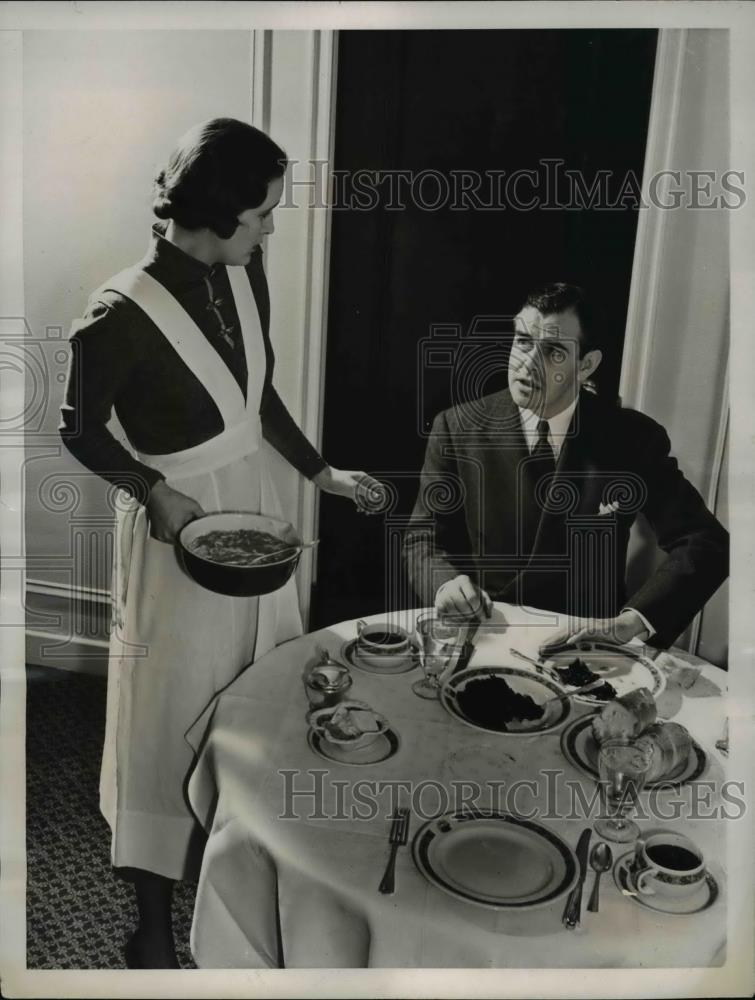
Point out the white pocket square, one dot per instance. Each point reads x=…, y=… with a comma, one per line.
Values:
x=607, y=508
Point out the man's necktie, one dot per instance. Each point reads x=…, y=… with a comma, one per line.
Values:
x=542, y=453
x=540, y=464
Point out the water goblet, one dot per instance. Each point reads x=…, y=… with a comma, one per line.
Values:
x=622, y=767
x=438, y=642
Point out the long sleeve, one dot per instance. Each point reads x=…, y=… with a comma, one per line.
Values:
x=697, y=545
x=433, y=537
x=283, y=433
x=102, y=365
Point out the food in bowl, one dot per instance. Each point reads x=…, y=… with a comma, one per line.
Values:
x=351, y=724
x=241, y=547
x=491, y=703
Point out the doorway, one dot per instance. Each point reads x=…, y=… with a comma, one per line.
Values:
x=417, y=253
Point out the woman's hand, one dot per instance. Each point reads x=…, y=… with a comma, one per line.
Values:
x=367, y=493
x=620, y=629
x=169, y=511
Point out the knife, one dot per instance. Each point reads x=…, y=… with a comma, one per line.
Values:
x=574, y=902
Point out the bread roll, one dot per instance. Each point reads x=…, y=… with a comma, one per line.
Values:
x=625, y=717
x=670, y=744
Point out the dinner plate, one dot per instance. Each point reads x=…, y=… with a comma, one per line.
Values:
x=624, y=667
x=380, y=663
x=580, y=748
x=385, y=746
x=702, y=899
x=523, y=682
x=494, y=859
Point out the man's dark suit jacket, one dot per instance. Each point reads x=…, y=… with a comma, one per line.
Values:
x=480, y=511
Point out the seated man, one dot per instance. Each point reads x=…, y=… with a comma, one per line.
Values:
x=549, y=480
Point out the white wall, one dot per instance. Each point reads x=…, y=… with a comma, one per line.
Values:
x=677, y=342
x=102, y=110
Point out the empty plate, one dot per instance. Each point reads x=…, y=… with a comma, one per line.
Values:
x=494, y=859
x=477, y=697
x=580, y=748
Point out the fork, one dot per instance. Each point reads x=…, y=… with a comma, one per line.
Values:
x=397, y=838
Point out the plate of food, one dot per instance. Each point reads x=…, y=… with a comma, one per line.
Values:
x=675, y=756
x=504, y=700
x=351, y=725
x=623, y=669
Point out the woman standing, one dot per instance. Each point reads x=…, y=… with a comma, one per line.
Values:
x=179, y=347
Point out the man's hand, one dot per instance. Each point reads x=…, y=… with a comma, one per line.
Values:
x=367, y=493
x=169, y=511
x=461, y=597
x=620, y=629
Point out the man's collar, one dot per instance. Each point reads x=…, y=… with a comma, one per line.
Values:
x=558, y=424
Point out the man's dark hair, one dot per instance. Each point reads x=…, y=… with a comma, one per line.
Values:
x=219, y=169
x=558, y=297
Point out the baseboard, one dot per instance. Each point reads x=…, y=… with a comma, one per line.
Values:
x=67, y=627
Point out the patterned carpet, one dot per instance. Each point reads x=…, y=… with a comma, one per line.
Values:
x=79, y=914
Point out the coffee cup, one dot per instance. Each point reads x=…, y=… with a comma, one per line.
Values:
x=667, y=864
x=382, y=637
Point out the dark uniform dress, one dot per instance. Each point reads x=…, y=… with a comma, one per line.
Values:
x=181, y=352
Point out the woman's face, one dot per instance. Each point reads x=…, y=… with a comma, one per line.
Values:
x=254, y=223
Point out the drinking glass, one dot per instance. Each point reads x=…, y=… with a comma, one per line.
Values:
x=622, y=767
x=438, y=643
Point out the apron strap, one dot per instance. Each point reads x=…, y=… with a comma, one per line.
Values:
x=183, y=334
x=251, y=328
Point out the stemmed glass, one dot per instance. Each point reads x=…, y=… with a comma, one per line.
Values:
x=622, y=766
x=438, y=642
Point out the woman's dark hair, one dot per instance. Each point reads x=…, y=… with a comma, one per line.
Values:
x=219, y=169
x=558, y=297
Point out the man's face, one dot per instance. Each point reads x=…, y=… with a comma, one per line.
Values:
x=254, y=223
x=545, y=369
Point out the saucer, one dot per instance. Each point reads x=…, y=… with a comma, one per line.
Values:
x=701, y=899
x=385, y=746
x=380, y=663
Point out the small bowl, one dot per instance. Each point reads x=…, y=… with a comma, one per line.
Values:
x=238, y=581
x=368, y=634
x=319, y=717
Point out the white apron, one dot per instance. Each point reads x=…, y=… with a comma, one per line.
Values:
x=174, y=645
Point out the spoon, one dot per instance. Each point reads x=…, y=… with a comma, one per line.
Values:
x=279, y=555
x=601, y=859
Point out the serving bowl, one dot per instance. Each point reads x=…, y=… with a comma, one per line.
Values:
x=234, y=580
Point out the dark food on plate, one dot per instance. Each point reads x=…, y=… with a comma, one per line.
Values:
x=603, y=692
x=492, y=703
x=577, y=673
x=241, y=547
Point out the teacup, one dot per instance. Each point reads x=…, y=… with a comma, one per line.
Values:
x=667, y=864
x=382, y=637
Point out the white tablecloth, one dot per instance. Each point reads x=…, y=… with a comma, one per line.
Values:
x=302, y=891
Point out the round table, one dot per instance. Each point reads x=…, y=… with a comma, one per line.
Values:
x=293, y=861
